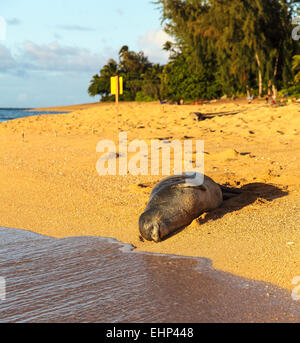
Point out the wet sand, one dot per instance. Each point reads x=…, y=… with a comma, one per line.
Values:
x=91, y=279
x=49, y=183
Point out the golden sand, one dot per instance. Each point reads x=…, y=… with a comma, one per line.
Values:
x=49, y=183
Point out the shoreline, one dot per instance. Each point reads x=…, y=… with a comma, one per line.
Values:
x=50, y=185
x=100, y=269
x=68, y=108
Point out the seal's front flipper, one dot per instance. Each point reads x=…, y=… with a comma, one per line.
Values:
x=230, y=190
x=227, y=196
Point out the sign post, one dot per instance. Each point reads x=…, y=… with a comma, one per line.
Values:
x=117, y=90
x=116, y=85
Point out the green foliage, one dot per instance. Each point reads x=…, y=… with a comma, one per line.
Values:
x=100, y=84
x=249, y=41
x=139, y=75
x=183, y=81
x=219, y=47
x=141, y=97
x=293, y=91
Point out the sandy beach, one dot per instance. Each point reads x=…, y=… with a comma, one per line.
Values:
x=49, y=182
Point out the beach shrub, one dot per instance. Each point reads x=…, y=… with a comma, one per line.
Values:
x=141, y=97
x=293, y=91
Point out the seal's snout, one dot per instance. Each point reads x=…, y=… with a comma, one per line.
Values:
x=149, y=228
x=155, y=234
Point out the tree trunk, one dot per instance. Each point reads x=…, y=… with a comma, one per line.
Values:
x=274, y=91
x=260, y=84
x=248, y=91
x=269, y=88
x=274, y=88
x=260, y=80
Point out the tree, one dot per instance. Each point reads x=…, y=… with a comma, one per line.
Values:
x=151, y=82
x=180, y=81
x=138, y=74
x=100, y=84
x=249, y=41
x=218, y=47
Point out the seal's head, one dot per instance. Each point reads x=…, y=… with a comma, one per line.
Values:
x=150, y=226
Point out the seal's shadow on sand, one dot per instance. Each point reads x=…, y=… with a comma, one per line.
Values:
x=251, y=193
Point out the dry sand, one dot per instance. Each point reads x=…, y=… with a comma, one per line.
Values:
x=49, y=183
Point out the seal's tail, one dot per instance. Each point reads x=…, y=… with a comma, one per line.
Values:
x=229, y=192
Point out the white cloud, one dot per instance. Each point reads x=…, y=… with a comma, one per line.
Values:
x=152, y=45
x=7, y=62
x=75, y=28
x=13, y=21
x=56, y=57
x=52, y=57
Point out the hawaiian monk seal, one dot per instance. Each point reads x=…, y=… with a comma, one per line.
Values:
x=177, y=200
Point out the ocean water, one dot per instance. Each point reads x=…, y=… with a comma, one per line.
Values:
x=93, y=279
x=14, y=113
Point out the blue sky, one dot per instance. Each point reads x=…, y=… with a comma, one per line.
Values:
x=53, y=48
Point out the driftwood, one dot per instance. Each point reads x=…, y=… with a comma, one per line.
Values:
x=278, y=104
x=202, y=116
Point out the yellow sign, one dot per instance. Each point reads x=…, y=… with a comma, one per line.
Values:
x=113, y=85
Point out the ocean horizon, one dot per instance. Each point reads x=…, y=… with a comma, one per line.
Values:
x=11, y=113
